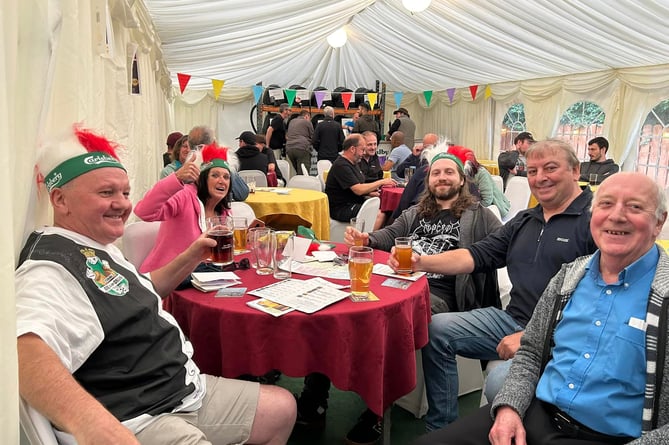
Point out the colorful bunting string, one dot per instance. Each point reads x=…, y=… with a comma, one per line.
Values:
x=183, y=81
x=217, y=86
x=257, y=92
x=372, y=99
x=398, y=98
x=290, y=96
x=488, y=92
x=346, y=99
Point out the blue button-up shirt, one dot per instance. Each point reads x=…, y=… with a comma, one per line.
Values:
x=598, y=370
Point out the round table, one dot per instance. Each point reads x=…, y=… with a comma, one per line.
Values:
x=390, y=198
x=366, y=347
x=310, y=205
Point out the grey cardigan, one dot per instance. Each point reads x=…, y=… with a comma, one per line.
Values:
x=520, y=385
x=472, y=290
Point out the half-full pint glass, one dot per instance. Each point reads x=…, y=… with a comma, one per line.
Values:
x=219, y=228
x=403, y=251
x=360, y=263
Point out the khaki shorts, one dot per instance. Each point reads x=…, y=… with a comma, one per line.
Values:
x=226, y=417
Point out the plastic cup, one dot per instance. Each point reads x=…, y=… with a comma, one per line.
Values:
x=283, y=254
x=219, y=228
x=360, y=264
x=593, y=179
x=262, y=245
x=403, y=251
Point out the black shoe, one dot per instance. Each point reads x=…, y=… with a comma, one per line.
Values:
x=270, y=378
x=367, y=431
x=311, y=414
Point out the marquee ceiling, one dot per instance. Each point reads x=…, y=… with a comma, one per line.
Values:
x=452, y=44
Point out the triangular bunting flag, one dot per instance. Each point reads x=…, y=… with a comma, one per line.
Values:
x=398, y=98
x=428, y=97
x=217, y=85
x=183, y=81
x=257, y=91
x=488, y=92
x=290, y=95
x=372, y=99
x=319, y=95
x=451, y=93
x=346, y=99
x=473, y=89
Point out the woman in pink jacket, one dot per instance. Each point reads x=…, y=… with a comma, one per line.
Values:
x=183, y=201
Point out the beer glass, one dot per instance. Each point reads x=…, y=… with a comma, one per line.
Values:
x=219, y=228
x=263, y=248
x=360, y=264
x=593, y=179
x=359, y=225
x=283, y=254
x=403, y=251
x=240, y=231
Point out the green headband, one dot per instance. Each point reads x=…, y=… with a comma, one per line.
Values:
x=215, y=163
x=448, y=156
x=77, y=166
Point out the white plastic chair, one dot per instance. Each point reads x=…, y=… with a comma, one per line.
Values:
x=368, y=212
x=321, y=167
x=259, y=177
x=284, y=166
x=138, y=240
x=518, y=193
x=499, y=182
x=242, y=209
x=37, y=428
x=494, y=209
x=305, y=182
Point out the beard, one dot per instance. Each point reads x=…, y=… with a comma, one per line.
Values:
x=450, y=193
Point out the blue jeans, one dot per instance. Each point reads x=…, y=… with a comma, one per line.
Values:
x=473, y=334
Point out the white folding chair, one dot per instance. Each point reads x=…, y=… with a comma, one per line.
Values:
x=242, y=209
x=305, y=182
x=286, y=170
x=37, y=428
x=499, y=182
x=138, y=240
x=368, y=212
x=518, y=193
x=259, y=177
x=305, y=170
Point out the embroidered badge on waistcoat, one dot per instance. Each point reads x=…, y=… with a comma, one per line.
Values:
x=105, y=278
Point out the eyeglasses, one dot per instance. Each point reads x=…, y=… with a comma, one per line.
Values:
x=243, y=264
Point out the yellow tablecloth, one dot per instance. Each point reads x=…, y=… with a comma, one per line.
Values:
x=490, y=165
x=309, y=205
x=664, y=243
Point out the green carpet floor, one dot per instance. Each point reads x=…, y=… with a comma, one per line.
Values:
x=345, y=407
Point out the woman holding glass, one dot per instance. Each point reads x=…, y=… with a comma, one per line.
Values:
x=183, y=202
x=180, y=152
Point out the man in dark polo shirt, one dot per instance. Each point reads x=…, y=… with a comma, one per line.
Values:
x=345, y=186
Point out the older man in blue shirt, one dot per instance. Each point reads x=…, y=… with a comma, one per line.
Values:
x=591, y=364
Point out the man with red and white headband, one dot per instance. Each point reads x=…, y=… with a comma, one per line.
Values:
x=98, y=356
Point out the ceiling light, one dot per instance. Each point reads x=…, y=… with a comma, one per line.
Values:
x=338, y=38
x=416, y=5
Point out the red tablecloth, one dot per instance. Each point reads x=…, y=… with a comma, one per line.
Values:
x=365, y=347
x=390, y=198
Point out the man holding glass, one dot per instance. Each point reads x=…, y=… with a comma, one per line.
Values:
x=98, y=355
x=533, y=245
x=447, y=217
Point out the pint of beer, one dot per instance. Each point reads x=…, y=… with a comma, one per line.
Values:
x=360, y=263
x=219, y=228
x=403, y=251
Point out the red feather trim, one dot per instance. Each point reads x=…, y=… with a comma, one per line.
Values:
x=213, y=151
x=94, y=142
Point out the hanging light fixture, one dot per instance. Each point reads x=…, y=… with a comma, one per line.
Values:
x=416, y=5
x=338, y=38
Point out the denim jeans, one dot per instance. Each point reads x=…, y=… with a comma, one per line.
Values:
x=473, y=334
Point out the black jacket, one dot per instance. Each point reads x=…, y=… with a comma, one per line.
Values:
x=250, y=158
x=328, y=139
